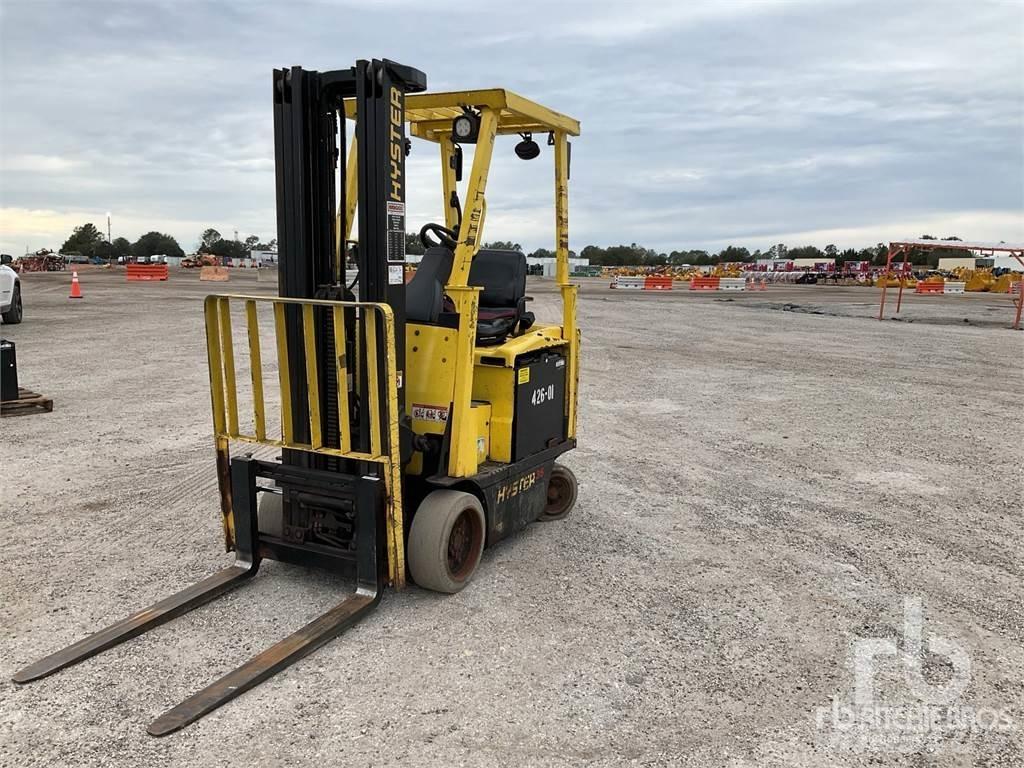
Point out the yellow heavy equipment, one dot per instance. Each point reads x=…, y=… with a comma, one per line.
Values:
x=417, y=423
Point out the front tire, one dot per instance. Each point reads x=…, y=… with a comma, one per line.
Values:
x=14, y=314
x=270, y=514
x=446, y=540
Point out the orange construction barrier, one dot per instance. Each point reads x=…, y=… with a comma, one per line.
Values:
x=704, y=284
x=658, y=283
x=76, y=289
x=214, y=274
x=136, y=272
x=923, y=287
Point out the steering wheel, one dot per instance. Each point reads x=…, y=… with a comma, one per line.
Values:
x=445, y=236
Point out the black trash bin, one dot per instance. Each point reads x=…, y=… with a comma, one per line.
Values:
x=8, y=371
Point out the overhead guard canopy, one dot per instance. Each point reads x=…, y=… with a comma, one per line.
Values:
x=430, y=115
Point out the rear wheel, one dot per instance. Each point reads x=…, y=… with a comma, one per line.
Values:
x=446, y=540
x=13, y=315
x=562, y=493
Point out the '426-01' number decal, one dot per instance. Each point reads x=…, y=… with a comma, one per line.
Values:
x=543, y=394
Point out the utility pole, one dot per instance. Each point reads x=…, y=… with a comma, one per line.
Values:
x=110, y=244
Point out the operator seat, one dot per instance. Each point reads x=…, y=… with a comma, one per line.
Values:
x=502, y=276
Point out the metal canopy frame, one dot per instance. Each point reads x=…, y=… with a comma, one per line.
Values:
x=904, y=247
x=431, y=114
x=501, y=112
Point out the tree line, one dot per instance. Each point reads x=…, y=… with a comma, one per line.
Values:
x=211, y=242
x=88, y=241
x=638, y=255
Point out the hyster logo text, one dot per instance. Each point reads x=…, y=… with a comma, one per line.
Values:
x=397, y=145
x=519, y=485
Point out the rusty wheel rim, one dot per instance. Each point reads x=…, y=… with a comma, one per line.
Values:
x=464, y=545
x=559, y=495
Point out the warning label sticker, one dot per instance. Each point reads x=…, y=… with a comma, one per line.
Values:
x=396, y=231
x=430, y=413
x=396, y=274
x=524, y=375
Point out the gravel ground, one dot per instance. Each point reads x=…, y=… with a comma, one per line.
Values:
x=760, y=490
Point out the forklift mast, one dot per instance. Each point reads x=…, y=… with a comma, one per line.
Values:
x=309, y=143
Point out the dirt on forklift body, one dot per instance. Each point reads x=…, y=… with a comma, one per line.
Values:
x=417, y=424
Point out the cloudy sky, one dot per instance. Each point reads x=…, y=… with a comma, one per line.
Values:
x=704, y=123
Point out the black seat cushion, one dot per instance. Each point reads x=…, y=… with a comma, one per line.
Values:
x=494, y=325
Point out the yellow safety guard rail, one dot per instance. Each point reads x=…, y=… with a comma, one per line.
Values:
x=383, y=426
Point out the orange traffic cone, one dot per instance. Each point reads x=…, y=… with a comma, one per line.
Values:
x=76, y=289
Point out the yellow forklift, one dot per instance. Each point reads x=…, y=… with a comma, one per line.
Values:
x=417, y=424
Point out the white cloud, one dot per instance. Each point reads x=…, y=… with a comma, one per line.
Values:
x=33, y=163
x=703, y=122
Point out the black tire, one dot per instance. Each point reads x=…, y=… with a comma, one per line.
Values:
x=13, y=315
x=562, y=493
x=446, y=540
x=270, y=514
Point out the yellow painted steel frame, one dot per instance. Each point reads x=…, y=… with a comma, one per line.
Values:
x=384, y=442
x=501, y=112
x=569, y=330
x=448, y=179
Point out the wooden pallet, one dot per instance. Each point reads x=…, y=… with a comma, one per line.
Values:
x=27, y=402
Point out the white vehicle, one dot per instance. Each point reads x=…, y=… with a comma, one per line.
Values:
x=10, y=292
